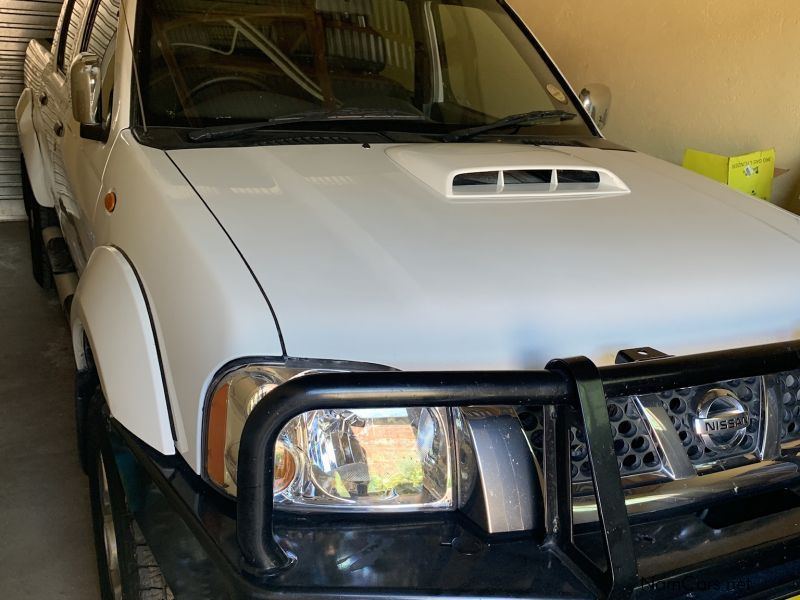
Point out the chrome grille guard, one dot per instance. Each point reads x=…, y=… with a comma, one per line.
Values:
x=565, y=385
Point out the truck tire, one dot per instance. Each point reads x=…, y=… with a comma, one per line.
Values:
x=39, y=218
x=126, y=566
x=86, y=383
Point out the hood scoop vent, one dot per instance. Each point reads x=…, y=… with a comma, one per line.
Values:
x=504, y=172
x=547, y=183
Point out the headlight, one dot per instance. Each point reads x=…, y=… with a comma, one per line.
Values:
x=338, y=460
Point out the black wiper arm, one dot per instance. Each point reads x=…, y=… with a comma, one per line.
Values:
x=528, y=118
x=223, y=132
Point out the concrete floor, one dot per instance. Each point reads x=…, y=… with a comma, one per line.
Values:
x=46, y=545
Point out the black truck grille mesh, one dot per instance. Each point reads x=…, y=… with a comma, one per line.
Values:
x=635, y=450
x=786, y=386
x=634, y=446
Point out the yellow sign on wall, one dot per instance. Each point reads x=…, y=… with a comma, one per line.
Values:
x=749, y=173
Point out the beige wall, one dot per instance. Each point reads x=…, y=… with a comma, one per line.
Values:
x=717, y=75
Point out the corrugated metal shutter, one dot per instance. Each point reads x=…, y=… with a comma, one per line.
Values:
x=20, y=21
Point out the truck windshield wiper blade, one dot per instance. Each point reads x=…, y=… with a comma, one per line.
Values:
x=528, y=118
x=223, y=132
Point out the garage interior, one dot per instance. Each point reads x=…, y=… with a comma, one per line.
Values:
x=47, y=548
x=719, y=76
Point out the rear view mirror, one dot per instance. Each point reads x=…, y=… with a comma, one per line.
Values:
x=84, y=77
x=596, y=99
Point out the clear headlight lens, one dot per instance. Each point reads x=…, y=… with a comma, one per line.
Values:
x=378, y=458
x=342, y=460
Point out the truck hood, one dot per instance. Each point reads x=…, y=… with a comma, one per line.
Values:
x=368, y=254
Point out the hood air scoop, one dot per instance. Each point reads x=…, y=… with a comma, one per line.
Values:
x=483, y=171
x=541, y=183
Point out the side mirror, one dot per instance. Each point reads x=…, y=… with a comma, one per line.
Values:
x=596, y=99
x=84, y=78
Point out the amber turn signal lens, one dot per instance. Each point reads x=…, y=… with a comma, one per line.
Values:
x=110, y=201
x=285, y=468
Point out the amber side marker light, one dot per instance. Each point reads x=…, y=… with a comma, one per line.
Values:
x=110, y=201
x=222, y=448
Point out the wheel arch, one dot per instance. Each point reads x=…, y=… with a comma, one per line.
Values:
x=112, y=332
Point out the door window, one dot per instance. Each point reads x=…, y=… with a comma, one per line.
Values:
x=101, y=28
x=100, y=40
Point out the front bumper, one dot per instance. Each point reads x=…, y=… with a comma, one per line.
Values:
x=739, y=544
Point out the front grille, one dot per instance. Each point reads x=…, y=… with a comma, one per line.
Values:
x=681, y=406
x=786, y=387
x=635, y=446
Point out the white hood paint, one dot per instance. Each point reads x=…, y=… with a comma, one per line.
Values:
x=362, y=260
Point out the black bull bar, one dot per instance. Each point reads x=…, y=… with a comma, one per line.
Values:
x=569, y=383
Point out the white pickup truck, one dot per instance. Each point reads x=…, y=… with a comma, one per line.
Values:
x=317, y=256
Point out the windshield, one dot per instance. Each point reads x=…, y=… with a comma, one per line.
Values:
x=423, y=65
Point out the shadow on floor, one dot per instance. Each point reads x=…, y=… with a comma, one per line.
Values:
x=46, y=546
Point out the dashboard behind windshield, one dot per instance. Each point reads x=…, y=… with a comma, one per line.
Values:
x=442, y=63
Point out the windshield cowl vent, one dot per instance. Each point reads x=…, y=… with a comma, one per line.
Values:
x=545, y=183
x=308, y=140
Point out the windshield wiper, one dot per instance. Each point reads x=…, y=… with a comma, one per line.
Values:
x=224, y=132
x=528, y=118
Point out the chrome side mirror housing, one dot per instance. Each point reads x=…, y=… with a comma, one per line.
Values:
x=84, y=79
x=596, y=99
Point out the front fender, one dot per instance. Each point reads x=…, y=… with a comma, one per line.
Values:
x=32, y=150
x=111, y=311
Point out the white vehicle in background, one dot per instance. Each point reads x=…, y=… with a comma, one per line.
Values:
x=317, y=256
